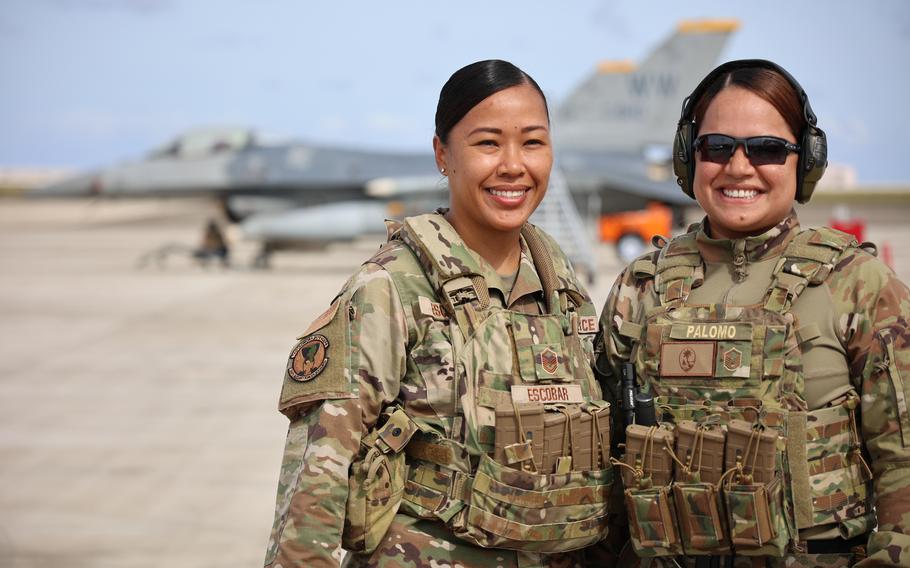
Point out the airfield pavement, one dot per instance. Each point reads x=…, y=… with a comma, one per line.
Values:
x=138, y=422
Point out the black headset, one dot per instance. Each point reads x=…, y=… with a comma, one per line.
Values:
x=813, y=146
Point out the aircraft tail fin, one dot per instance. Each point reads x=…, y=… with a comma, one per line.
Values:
x=624, y=107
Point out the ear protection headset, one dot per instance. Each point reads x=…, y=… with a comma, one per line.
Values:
x=813, y=153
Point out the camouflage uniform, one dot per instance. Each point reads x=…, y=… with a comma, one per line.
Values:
x=383, y=416
x=850, y=317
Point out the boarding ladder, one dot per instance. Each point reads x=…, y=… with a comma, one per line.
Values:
x=558, y=216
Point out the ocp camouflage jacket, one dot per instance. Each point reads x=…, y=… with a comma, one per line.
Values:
x=385, y=344
x=852, y=325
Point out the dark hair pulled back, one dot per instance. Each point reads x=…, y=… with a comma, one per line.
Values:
x=472, y=84
x=767, y=84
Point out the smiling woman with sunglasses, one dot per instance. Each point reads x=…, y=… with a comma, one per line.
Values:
x=777, y=356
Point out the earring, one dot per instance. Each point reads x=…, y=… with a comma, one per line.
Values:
x=442, y=171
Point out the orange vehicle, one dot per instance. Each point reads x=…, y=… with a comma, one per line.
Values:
x=632, y=230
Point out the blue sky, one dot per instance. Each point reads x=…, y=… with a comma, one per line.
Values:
x=90, y=82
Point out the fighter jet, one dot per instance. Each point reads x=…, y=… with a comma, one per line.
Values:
x=612, y=136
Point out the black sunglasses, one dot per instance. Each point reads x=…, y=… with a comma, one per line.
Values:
x=761, y=150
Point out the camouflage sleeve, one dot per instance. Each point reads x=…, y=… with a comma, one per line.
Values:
x=608, y=347
x=611, y=350
x=358, y=370
x=628, y=297
x=875, y=307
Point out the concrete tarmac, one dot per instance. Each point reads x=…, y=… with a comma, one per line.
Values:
x=138, y=422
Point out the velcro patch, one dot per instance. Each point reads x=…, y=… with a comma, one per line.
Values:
x=570, y=394
x=317, y=368
x=712, y=331
x=687, y=359
x=587, y=324
x=732, y=358
x=323, y=319
x=431, y=309
x=428, y=451
x=519, y=452
x=549, y=362
x=308, y=358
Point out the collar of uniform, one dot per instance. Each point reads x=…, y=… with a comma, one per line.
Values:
x=769, y=244
x=526, y=281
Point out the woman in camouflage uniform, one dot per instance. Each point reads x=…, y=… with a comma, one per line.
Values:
x=416, y=401
x=777, y=357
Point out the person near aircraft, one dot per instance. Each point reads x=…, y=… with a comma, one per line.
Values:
x=416, y=400
x=776, y=356
x=610, y=144
x=213, y=245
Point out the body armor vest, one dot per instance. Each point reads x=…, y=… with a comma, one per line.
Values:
x=510, y=445
x=736, y=463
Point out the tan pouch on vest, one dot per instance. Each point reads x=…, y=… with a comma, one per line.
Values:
x=519, y=439
x=528, y=511
x=701, y=523
x=701, y=449
x=376, y=484
x=754, y=495
x=646, y=450
x=652, y=522
x=756, y=519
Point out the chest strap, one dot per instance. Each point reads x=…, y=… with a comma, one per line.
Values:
x=679, y=268
x=807, y=261
x=452, y=269
x=543, y=262
x=455, y=271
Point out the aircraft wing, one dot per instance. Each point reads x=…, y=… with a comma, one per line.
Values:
x=301, y=191
x=628, y=173
x=319, y=223
x=404, y=186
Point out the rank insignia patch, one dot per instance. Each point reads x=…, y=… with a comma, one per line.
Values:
x=549, y=360
x=309, y=358
x=733, y=358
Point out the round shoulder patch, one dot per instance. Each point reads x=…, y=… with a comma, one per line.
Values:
x=309, y=358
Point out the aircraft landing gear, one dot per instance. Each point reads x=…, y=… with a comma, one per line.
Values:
x=262, y=260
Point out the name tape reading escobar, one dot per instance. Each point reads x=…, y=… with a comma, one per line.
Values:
x=547, y=393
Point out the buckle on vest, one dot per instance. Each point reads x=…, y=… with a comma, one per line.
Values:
x=786, y=288
x=459, y=494
x=396, y=432
x=460, y=291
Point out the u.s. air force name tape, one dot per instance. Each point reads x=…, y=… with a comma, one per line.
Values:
x=431, y=309
x=587, y=324
x=570, y=394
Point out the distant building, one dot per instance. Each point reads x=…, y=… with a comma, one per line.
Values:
x=838, y=177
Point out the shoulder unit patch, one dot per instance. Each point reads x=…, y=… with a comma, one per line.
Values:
x=309, y=358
